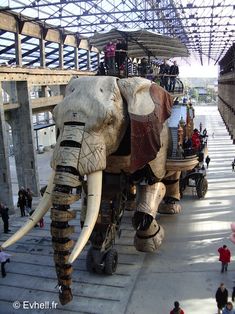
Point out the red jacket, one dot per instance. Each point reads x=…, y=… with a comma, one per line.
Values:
x=224, y=255
x=179, y=311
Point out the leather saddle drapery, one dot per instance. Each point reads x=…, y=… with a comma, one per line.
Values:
x=146, y=129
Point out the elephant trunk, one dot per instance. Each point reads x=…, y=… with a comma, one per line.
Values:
x=62, y=197
x=67, y=190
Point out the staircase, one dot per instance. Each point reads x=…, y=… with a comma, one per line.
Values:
x=174, y=138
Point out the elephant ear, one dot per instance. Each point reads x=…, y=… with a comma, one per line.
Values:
x=149, y=105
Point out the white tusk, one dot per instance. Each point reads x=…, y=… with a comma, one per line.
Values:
x=39, y=212
x=94, y=185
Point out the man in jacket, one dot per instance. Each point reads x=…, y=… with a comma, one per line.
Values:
x=221, y=297
x=224, y=257
x=164, y=73
x=174, y=72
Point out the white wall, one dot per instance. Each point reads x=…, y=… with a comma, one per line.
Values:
x=47, y=136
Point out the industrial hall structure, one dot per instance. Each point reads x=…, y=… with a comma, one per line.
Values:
x=44, y=45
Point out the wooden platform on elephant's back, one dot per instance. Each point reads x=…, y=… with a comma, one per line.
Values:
x=31, y=274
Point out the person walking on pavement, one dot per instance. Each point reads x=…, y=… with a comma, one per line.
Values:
x=21, y=204
x=221, y=297
x=4, y=258
x=224, y=257
x=5, y=217
x=228, y=309
x=207, y=160
x=177, y=309
x=29, y=199
x=233, y=164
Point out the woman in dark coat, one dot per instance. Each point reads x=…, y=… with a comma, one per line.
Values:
x=21, y=204
x=5, y=217
x=221, y=297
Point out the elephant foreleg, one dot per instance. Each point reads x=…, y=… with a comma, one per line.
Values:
x=170, y=205
x=149, y=234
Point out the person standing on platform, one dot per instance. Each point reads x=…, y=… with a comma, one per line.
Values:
x=174, y=72
x=221, y=297
x=109, y=51
x=101, y=69
x=121, y=54
x=164, y=72
x=224, y=257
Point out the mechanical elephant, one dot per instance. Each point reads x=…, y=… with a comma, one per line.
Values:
x=107, y=127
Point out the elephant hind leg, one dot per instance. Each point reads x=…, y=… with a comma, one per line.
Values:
x=149, y=234
x=171, y=205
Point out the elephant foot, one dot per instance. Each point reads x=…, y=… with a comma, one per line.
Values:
x=169, y=209
x=149, y=240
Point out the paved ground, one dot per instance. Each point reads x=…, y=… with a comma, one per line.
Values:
x=186, y=268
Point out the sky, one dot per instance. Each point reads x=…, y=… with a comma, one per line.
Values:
x=196, y=70
x=191, y=67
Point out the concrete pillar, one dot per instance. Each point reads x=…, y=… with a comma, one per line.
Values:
x=18, y=49
x=76, y=56
x=10, y=89
x=88, y=60
x=23, y=140
x=62, y=89
x=42, y=53
x=98, y=59
x=61, y=55
x=6, y=195
x=55, y=90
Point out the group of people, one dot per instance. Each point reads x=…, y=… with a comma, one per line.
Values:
x=115, y=54
x=25, y=197
x=221, y=296
x=168, y=75
x=196, y=143
x=223, y=305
